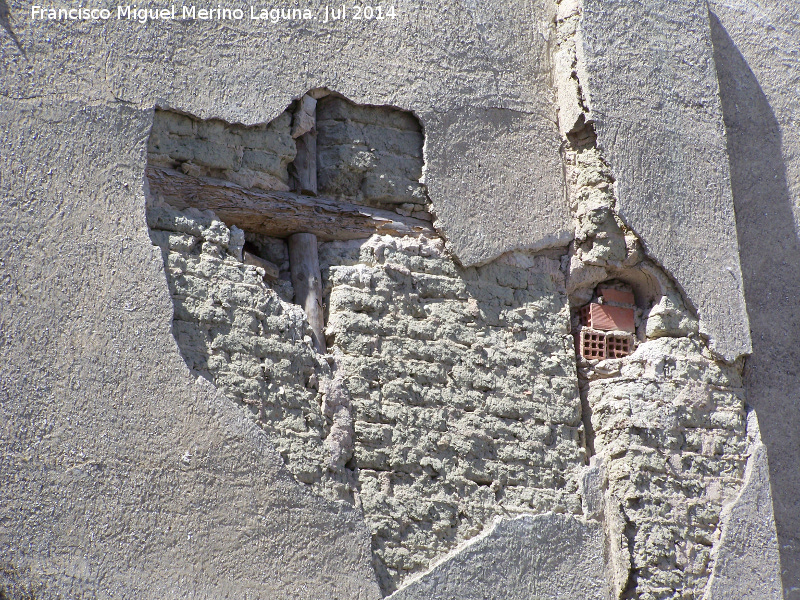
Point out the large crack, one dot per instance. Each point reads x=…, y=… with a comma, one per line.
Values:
x=650, y=556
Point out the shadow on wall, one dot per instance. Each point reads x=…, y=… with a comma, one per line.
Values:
x=5, y=21
x=769, y=252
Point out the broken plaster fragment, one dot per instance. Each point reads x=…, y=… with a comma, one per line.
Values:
x=668, y=318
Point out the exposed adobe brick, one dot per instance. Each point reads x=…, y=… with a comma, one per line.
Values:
x=613, y=295
x=608, y=318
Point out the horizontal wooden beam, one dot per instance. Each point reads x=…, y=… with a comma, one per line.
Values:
x=279, y=214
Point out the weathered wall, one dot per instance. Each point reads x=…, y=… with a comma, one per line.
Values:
x=463, y=392
x=449, y=413
x=648, y=79
x=371, y=155
x=86, y=312
x=460, y=381
x=483, y=353
x=253, y=157
x=747, y=562
x=440, y=61
x=669, y=424
x=552, y=556
x=122, y=475
x=756, y=56
x=666, y=426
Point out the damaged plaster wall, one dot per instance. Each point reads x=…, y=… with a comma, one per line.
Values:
x=463, y=393
x=669, y=425
x=747, y=562
x=86, y=314
x=167, y=488
x=659, y=123
x=451, y=415
x=489, y=129
x=666, y=425
x=121, y=474
x=459, y=382
x=552, y=556
x=756, y=56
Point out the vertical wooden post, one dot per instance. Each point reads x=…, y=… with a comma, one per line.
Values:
x=304, y=130
x=307, y=282
x=305, y=163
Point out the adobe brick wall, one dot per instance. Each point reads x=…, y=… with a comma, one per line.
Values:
x=669, y=425
x=371, y=155
x=461, y=381
x=254, y=157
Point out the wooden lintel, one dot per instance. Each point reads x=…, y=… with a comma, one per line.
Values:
x=279, y=214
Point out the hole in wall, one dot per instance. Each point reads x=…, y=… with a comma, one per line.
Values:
x=442, y=397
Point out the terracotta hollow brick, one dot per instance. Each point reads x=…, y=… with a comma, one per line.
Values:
x=592, y=344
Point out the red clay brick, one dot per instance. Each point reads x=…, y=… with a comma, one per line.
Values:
x=592, y=344
x=608, y=318
x=612, y=295
x=618, y=346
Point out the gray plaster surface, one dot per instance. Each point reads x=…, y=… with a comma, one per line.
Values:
x=444, y=61
x=549, y=556
x=488, y=152
x=748, y=563
x=120, y=476
x=648, y=74
x=116, y=479
x=757, y=56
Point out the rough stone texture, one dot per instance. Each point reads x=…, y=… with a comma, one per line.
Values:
x=433, y=59
x=371, y=155
x=647, y=75
x=747, y=565
x=458, y=383
x=120, y=476
x=253, y=157
x=756, y=54
x=669, y=423
x=546, y=557
x=463, y=392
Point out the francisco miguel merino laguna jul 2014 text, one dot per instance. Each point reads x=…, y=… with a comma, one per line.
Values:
x=132, y=12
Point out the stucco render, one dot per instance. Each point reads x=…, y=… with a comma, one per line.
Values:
x=758, y=63
x=170, y=425
x=659, y=122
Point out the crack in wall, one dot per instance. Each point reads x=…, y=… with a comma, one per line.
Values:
x=667, y=423
x=447, y=395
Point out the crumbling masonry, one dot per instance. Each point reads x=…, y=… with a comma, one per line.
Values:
x=448, y=394
x=666, y=426
x=436, y=397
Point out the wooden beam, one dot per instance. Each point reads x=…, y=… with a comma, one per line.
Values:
x=304, y=131
x=304, y=167
x=271, y=270
x=279, y=214
x=307, y=283
x=305, y=117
